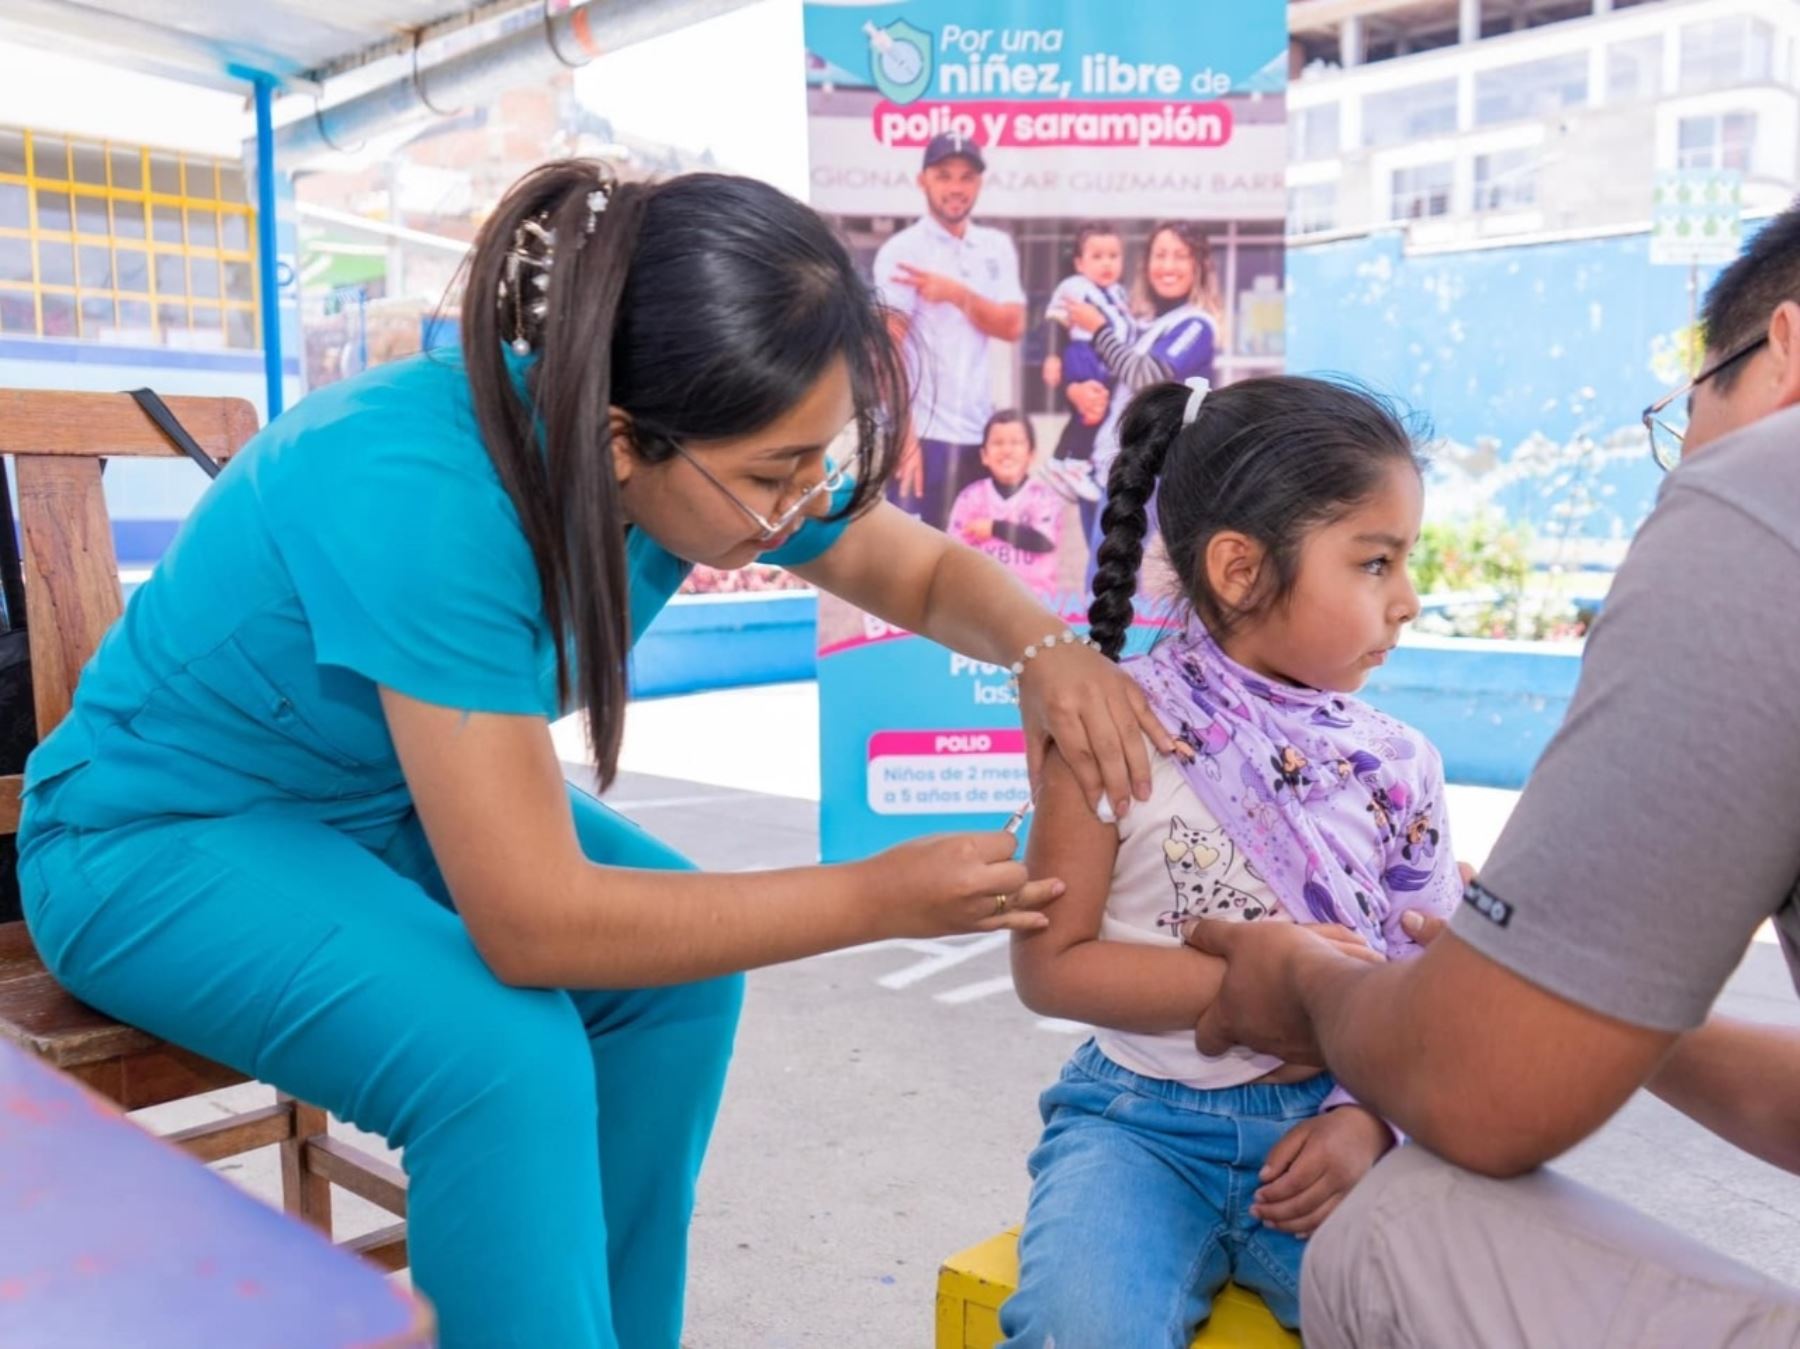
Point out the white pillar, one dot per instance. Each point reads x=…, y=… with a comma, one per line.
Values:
x=1468, y=21
x=1350, y=127
x=1352, y=42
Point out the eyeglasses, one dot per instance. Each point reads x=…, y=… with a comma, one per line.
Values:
x=833, y=480
x=1667, y=424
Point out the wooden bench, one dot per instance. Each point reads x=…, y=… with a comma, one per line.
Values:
x=57, y=442
x=973, y=1283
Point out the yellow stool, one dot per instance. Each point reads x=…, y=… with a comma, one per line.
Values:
x=973, y=1283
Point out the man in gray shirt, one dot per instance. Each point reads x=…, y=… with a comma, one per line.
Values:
x=1660, y=830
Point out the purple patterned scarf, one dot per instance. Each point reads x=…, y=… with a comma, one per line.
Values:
x=1338, y=808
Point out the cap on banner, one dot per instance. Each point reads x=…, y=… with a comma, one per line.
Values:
x=949, y=146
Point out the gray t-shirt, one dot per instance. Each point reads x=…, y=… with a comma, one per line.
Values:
x=1663, y=824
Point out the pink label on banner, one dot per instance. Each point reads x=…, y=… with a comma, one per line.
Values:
x=946, y=742
x=947, y=772
x=1110, y=123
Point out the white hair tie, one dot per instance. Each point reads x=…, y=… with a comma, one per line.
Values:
x=1200, y=387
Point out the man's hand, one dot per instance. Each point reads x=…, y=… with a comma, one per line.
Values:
x=1339, y=938
x=933, y=287
x=1315, y=1164
x=1345, y=941
x=1258, y=1003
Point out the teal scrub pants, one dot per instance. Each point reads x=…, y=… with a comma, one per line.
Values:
x=551, y=1138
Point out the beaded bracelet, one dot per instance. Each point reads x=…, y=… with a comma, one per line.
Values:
x=1036, y=649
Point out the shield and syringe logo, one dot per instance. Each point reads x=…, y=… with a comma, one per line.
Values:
x=899, y=60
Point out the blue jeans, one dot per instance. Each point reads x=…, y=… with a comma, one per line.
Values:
x=1140, y=1208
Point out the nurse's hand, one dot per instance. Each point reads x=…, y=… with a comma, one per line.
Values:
x=951, y=883
x=1097, y=716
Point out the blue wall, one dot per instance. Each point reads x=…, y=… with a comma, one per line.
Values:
x=727, y=641
x=1490, y=707
x=1557, y=340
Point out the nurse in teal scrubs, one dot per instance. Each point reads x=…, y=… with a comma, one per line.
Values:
x=305, y=817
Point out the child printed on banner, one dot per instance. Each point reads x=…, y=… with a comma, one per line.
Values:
x=1098, y=263
x=1012, y=517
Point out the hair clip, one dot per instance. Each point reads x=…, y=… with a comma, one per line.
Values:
x=534, y=246
x=1200, y=387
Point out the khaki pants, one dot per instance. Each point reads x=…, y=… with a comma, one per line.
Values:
x=1425, y=1255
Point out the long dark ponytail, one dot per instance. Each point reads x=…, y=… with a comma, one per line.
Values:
x=1270, y=458
x=703, y=308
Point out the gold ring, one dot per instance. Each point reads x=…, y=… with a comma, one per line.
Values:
x=1000, y=904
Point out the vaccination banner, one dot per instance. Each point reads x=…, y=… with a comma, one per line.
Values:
x=1043, y=192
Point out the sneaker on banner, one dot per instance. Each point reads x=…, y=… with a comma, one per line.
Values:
x=1071, y=479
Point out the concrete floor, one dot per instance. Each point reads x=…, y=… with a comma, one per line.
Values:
x=883, y=1099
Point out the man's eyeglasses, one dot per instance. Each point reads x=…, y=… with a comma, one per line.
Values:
x=785, y=515
x=1666, y=419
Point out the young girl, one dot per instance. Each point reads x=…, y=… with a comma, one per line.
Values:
x=1012, y=517
x=1287, y=507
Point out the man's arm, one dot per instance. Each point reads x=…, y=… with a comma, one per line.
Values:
x=1739, y=1079
x=1742, y=1081
x=996, y=319
x=1004, y=319
x=1001, y=316
x=1482, y=1067
x=1479, y=1065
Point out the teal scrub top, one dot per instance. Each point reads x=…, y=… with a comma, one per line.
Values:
x=362, y=539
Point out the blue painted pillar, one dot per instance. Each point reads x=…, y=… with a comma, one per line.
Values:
x=265, y=240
